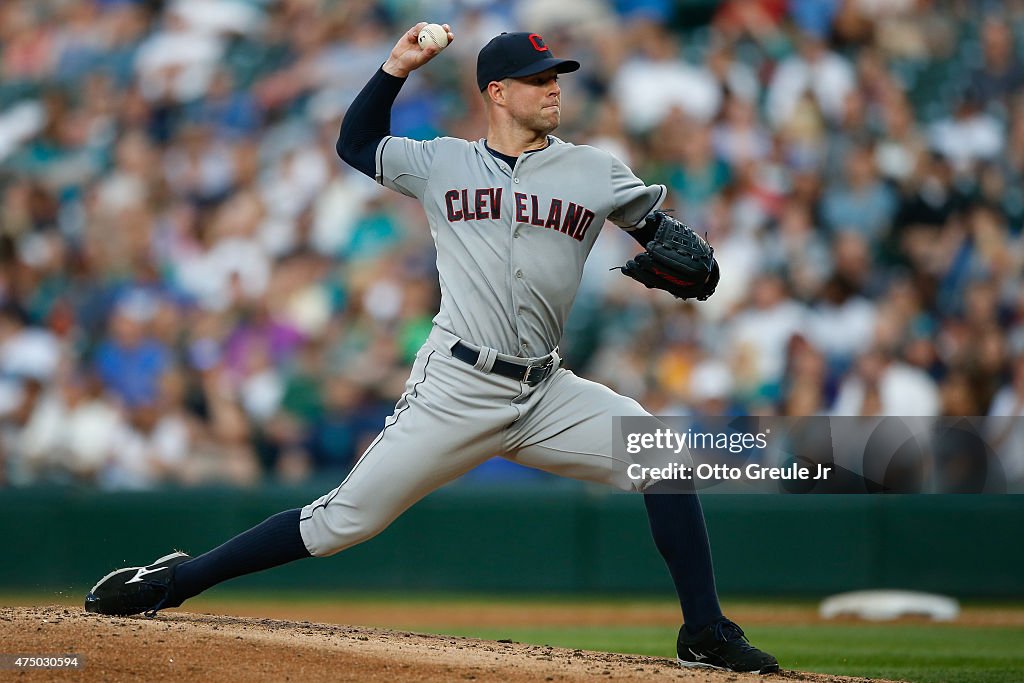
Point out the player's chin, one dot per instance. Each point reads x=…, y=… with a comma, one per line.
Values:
x=551, y=116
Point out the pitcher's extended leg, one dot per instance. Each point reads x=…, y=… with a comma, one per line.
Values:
x=438, y=431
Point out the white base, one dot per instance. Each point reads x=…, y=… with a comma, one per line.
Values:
x=886, y=605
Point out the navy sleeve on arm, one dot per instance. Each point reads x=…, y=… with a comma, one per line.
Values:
x=645, y=233
x=368, y=121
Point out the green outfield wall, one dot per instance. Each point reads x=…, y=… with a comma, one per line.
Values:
x=545, y=539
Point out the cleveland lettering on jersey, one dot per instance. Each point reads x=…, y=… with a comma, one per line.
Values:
x=475, y=205
x=574, y=224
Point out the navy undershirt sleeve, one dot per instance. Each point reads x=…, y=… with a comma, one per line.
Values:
x=368, y=121
x=644, y=234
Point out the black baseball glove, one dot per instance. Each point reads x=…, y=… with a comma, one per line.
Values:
x=677, y=260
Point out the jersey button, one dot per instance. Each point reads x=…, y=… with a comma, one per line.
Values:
x=519, y=274
x=516, y=234
x=515, y=180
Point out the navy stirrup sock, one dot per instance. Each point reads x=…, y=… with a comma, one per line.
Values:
x=273, y=542
x=677, y=524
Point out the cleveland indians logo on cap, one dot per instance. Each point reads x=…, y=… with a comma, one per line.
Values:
x=538, y=43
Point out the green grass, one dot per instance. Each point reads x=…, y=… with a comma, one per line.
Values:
x=921, y=653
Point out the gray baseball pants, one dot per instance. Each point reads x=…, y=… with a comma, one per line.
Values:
x=453, y=417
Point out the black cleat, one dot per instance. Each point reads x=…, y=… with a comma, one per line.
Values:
x=722, y=645
x=134, y=590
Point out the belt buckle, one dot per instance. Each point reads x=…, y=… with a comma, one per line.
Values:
x=544, y=371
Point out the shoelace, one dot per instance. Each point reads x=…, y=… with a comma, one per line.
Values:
x=150, y=613
x=727, y=631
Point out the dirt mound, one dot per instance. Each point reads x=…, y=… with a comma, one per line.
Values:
x=218, y=648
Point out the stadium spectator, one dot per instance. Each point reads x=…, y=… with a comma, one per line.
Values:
x=814, y=70
x=130, y=362
x=653, y=82
x=1000, y=77
x=881, y=385
x=860, y=202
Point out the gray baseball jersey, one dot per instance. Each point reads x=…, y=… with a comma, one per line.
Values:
x=511, y=244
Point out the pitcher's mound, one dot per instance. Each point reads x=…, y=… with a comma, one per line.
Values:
x=178, y=646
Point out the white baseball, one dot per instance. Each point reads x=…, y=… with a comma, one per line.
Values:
x=433, y=34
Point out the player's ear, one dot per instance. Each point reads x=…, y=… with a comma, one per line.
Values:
x=496, y=91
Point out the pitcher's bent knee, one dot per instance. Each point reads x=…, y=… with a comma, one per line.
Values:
x=623, y=482
x=328, y=527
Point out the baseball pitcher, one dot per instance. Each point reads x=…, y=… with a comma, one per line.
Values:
x=514, y=217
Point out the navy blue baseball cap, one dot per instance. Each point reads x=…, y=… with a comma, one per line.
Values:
x=514, y=55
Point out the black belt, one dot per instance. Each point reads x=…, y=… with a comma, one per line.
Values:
x=531, y=375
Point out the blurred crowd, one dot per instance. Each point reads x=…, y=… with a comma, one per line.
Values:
x=194, y=289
